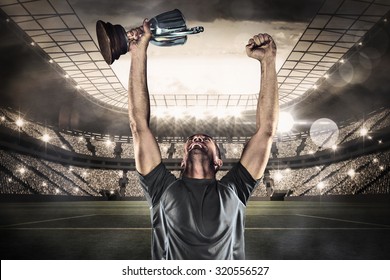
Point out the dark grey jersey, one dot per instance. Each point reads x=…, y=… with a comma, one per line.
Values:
x=198, y=218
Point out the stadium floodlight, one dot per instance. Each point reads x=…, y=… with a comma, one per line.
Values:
x=278, y=176
x=236, y=113
x=46, y=138
x=19, y=122
x=320, y=185
x=178, y=112
x=351, y=173
x=198, y=112
x=363, y=131
x=286, y=122
x=160, y=112
x=108, y=143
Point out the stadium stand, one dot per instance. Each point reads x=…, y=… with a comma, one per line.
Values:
x=28, y=174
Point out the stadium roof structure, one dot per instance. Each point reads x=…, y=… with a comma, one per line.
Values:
x=53, y=26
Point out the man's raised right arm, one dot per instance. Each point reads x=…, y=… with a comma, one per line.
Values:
x=146, y=151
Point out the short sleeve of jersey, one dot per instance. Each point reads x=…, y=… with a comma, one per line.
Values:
x=241, y=181
x=155, y=182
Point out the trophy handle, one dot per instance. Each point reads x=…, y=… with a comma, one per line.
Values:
x=168, y=42
x=174, y=34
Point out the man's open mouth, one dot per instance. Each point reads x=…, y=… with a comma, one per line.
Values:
x=197, y=145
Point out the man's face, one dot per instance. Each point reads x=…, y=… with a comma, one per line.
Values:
x=201, y=143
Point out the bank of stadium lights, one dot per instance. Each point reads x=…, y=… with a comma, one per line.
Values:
x=196, y=112
x=223, y=112
x=178, y=112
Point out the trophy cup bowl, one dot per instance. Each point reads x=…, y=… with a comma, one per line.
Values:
x=112, y=40
x=168, y=29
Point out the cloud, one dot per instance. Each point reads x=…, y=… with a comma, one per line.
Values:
x=205, y=10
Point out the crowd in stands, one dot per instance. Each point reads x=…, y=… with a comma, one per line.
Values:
x=22, y=174
x=365, y=174
x=26, y=175
x=284, y=146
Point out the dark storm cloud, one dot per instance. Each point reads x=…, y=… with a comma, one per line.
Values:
x=207, y=10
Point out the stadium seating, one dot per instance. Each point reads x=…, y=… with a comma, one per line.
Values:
x=25, y=174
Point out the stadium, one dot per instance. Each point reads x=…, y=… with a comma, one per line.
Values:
x=69, y=188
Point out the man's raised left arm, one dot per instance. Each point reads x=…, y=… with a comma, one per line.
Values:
x=257, y=151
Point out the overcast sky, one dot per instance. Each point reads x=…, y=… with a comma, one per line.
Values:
x=213, y=61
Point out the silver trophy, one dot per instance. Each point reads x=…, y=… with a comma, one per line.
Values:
x=168, y=29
